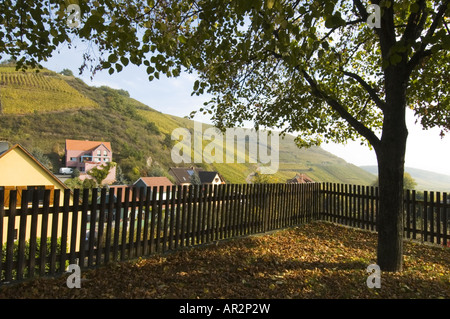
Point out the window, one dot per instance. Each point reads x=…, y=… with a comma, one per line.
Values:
x=105, y=153
x=99, y=153
x=106, y=160
x=39, y=189
x=73, y=159
x=30, y=192
x=7, y=190
x=41, y=193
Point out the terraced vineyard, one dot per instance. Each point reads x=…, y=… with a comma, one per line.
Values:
x=29, y=92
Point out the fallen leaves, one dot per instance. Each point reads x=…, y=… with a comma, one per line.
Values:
x=317, y=260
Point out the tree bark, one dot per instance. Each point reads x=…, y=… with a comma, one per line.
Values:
x=391, y=163
x=390, y=214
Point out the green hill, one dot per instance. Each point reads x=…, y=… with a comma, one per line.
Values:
x=426, y=180
x=28, y=92
x=64, y=107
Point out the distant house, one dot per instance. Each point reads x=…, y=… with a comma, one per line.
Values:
x=20, y=171
x=85, y=155
x=300, y=179
x=123, y=193
x=213, y=178
x=183, y=175
x=152, y=182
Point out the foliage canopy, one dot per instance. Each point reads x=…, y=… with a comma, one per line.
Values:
x=315, y=67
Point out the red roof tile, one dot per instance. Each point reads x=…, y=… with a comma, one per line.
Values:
x=85, y=145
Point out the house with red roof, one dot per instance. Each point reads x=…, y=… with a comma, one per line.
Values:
x=85, y=155
x=300, y=179
x=155, y=181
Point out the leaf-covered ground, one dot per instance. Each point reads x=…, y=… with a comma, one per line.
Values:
x=318, y=260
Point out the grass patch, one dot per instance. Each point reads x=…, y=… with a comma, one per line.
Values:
x=318, y=260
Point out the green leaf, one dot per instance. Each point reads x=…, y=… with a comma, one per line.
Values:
x=112, y=58
x=182, y=39
x=124, y=61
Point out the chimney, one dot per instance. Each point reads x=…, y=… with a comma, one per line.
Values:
x=4, y=146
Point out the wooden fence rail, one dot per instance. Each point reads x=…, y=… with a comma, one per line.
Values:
x=426, y=219
x=92, y=228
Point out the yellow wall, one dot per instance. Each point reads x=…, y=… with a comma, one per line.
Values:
x=18, y=169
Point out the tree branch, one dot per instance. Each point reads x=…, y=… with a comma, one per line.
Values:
x=414, y=25
x=370, y=90
x=422, y=52
x=346, y=24
x=335, y=105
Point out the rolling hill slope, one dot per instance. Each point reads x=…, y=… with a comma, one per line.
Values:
x=64, y=107
x=426, y=180
x=28, y=92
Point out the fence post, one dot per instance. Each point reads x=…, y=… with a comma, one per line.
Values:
x=83, y=231
x=33, y=234
x=438, y=218
x=10, y=236
x=414, y=214
x=44, y=230
x=92, y=227
x=148, y=194
x=184, y=220
x=109, y=221
x=444, y=220
x=55, y=223
x=22, y=231
x=132, y=224
x=432, y=206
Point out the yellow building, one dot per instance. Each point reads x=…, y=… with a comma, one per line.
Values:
x=19, y=170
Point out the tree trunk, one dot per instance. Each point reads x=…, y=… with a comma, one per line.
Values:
x=390, y=216
x=391, y=163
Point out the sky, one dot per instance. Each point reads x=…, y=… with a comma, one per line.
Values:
x=425, y=149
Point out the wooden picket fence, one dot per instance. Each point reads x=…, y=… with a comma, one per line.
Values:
x=94, y=227
x=426, y=220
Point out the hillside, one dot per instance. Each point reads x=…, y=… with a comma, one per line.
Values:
x=28, y=92
x=425, y=180
x=47, y=108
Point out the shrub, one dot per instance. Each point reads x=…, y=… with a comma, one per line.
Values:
x=36, y=255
